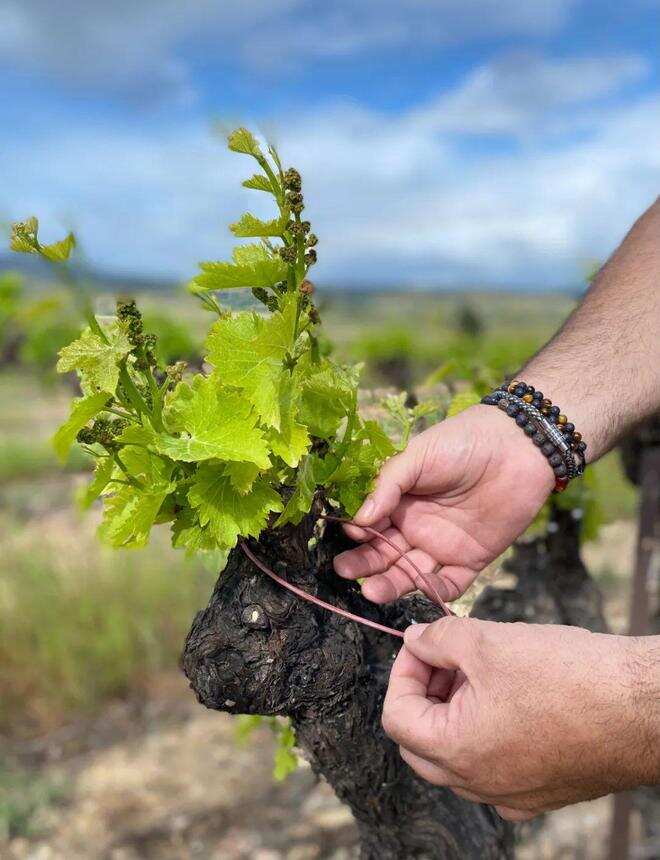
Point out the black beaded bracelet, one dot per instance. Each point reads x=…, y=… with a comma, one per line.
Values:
x=548, y=428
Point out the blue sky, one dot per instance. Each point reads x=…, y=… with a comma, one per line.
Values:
x=442, y=142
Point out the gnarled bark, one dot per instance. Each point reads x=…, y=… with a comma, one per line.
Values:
x=258, y=649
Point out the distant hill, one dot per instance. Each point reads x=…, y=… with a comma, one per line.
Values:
x=35, y=268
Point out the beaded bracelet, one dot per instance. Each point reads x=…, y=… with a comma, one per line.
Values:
x=548, y=428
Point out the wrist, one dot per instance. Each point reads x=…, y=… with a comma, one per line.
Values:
x=576, y=402
x=507, y=436
x=546, y=426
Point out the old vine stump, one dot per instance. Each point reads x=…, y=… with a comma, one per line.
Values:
x=257, y=649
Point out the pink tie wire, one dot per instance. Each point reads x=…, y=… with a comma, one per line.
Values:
x=420, y=579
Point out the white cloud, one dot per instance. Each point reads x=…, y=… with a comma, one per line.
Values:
x=394, y=199
x=129, y=47
x=345, y=27
x=533, y=216
x=520, y=93
x=142, y=48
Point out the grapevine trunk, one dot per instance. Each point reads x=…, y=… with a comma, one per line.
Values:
x=258, y=649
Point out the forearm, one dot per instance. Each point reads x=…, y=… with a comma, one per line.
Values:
x=644, y=678
x=603, y=366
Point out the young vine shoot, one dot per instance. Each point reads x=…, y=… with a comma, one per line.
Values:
x=221, y=454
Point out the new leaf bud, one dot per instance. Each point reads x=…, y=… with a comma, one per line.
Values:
x=288, y=254
x=296, y=202
x=128, y=310
x=265, y=298
x=86, y=436
x=174, y=372
x=292, y=180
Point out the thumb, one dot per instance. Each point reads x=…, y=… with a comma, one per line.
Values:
x=397, y=476
x=449, y=643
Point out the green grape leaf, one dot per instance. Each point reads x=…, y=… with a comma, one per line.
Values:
x=130, y=513
x=82, y=410
x=352, y=494
x=253, y=266
x=359, y=463
x=396, y=406
x=357, y=458
x=259, y=182
x=251, y=254
x=312, y=472
x=249, y=227
x=242, y=476
x=327, y=398
x=24, y=236
x=103, y=472
x=25, y=240
x=248, y=352
x=96, y=361
x=461, y=401
x=188, y=534
x=378, y=439
x=226, y=512
x=292, y=440
x=242, y=140
x=60, y=251
x=139, y=434
x=214, y=423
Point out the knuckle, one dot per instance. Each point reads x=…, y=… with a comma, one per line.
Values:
x=478, y=637
x=387, y=551
x=478, y=641
x=445, y=628
x=371, y=557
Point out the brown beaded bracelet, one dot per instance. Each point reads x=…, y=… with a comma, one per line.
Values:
x=548, y=428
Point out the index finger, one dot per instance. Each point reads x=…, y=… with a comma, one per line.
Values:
x=410, y=717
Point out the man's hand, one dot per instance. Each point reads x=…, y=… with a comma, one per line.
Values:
x=525, y=717
x=456, y=498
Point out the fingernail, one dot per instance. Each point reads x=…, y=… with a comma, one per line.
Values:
x=366, y=511
x=414, y=632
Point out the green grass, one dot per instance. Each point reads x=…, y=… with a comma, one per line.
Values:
x=24, y=798
x=80, y=624
x=30, y=414
x=22, y=459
